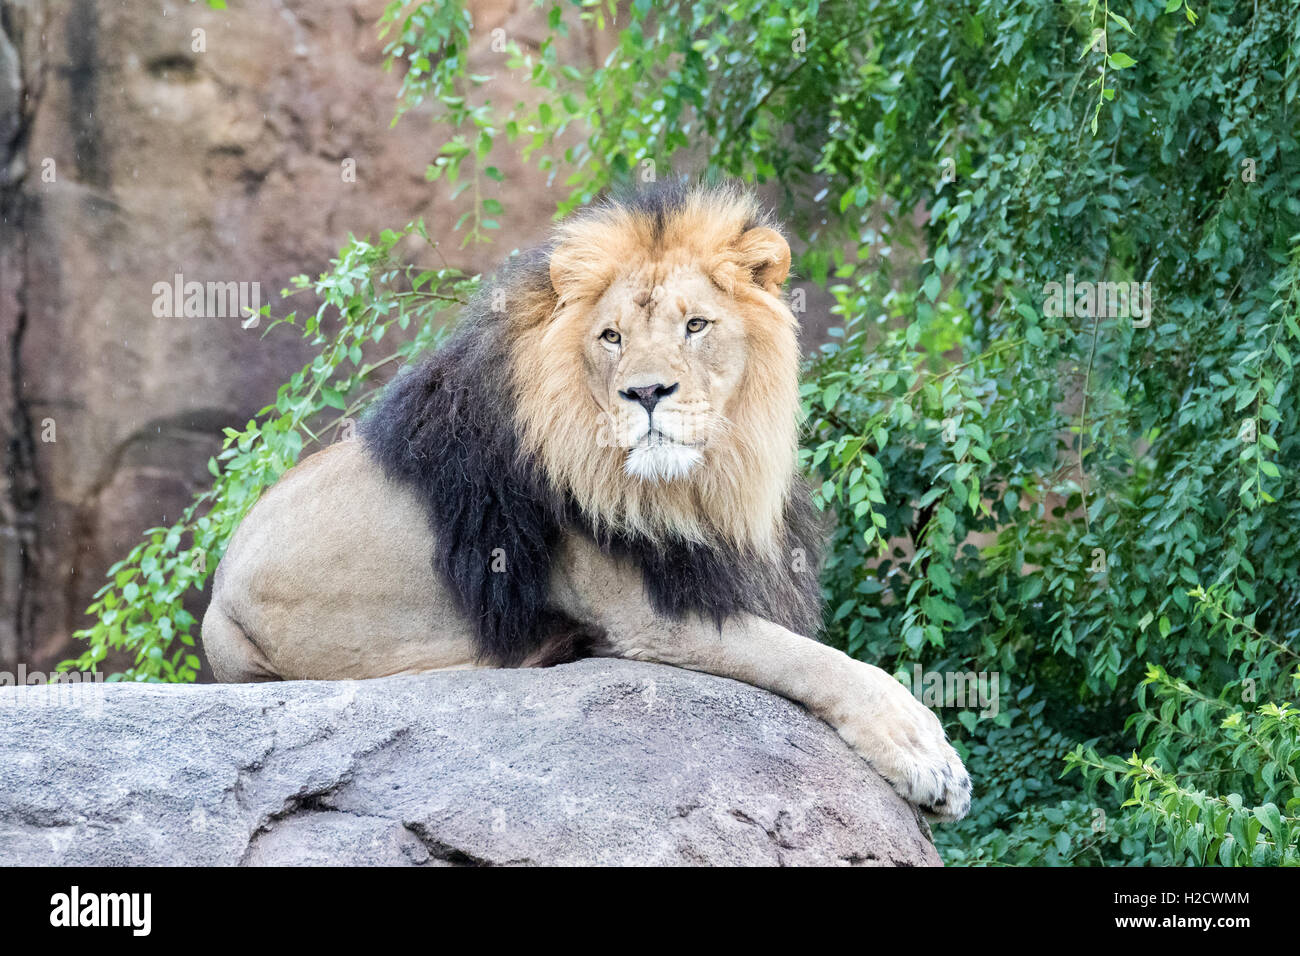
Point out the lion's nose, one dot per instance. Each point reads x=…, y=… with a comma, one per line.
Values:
x=648, y=395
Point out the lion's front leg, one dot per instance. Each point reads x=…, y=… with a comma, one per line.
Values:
x=874, y=713
x=901, y=738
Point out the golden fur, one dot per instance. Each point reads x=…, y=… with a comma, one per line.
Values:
x=620, y=260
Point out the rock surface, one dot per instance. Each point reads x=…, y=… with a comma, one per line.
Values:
x=597, y=762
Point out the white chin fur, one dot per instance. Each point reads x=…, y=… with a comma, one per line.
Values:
x=661, y=461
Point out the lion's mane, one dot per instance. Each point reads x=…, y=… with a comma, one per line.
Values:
x=501, y=483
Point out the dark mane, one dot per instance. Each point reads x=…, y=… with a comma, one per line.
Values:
x=446, y=427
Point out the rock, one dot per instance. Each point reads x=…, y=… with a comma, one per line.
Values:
x=596, y=762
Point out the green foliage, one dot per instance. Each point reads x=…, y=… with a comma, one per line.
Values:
x=1080, y=503
x=1232, y=762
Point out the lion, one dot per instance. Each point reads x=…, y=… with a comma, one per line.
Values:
x=601, y=460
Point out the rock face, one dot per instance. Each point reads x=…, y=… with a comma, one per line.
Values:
x=597, y=762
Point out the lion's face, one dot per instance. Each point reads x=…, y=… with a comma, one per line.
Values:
x=664, y=356
x=659, y=385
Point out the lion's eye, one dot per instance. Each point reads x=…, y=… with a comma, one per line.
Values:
x=612, y=337
x=696, y=325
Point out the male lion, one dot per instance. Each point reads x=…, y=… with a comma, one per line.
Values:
x=606, y=466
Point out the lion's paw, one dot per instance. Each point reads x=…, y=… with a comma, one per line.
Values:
x=906, y=745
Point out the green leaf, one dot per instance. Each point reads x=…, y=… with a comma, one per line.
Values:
x=932, y=286
x=1271, y=818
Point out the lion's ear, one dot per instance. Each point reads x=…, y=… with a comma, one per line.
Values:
x=563, y=269
x=766, y=254
x=578, y=270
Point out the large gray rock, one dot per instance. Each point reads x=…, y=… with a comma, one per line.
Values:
x=597, y=762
